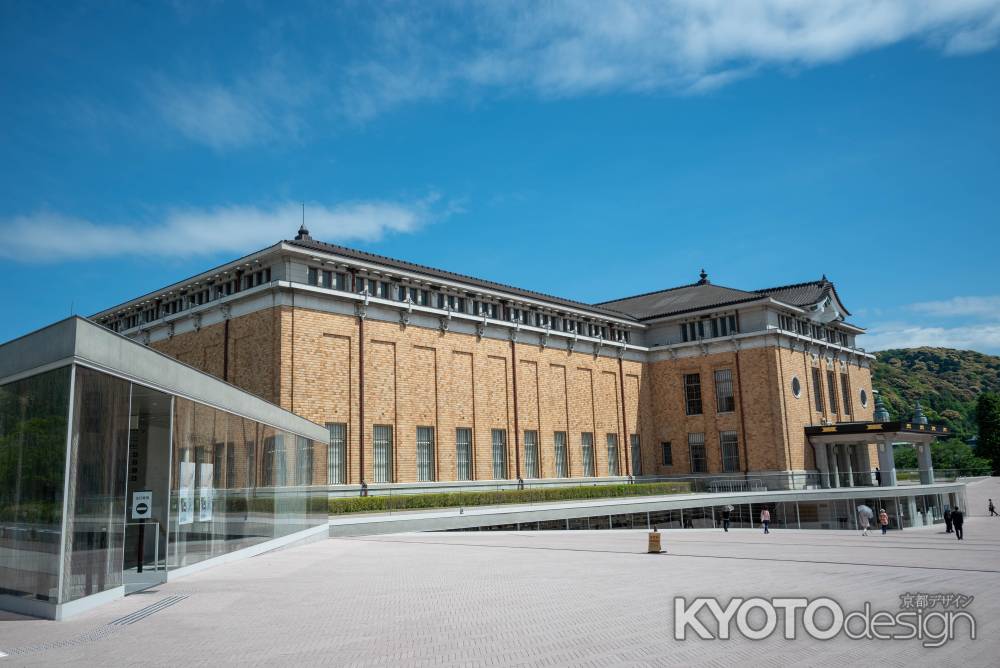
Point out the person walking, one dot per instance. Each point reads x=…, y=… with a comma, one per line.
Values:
x=947, y=520
x=726, y=515
x=863, y=521
x=993, y=509
x=883, y=520
x=765, y=519
x=958, y=519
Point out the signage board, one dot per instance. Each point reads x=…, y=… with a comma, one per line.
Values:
x=142, y=505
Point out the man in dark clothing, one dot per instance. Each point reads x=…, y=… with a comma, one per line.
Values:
x=947, y=520
x=992, y=509
x=726, y=514
x=958, y=519
x=878, y=477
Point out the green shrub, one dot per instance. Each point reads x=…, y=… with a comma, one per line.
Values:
x=367, y=504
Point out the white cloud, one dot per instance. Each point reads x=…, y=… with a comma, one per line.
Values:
x=983, y=337
x=573, y=47
x=215, y=116
x=563, y=48
x=53, y=237
x=976, y=307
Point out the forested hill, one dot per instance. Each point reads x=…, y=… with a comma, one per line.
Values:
x=945, y=381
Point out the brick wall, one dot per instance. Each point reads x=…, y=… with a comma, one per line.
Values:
x=308, y=362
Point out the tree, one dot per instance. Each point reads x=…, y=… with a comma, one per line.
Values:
x=950, y=455
x=905, y=457
x=956, y=455
x=988, y=420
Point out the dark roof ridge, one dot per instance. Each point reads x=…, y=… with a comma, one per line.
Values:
x=795, y=285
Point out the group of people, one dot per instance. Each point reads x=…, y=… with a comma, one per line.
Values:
x=864, y=515
x=954, y=520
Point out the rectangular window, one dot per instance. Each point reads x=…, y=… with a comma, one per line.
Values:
x=831, y=388
x=636, y=454
x=696, y=452
x=817, y=389
x=724, y=398
x=337, y=454
x=587, y=450
x=613, y=454
x=313, y=276
x=463, y=453
x=562, y=467
x=730, y=451
x=425, y=454
x=382, y=442
x=692, y=393
x=499, y=454
x=531, y=454
x=668, y=453
x=845, y=389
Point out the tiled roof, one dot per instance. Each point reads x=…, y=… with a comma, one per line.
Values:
x=447, y=275
x=679, y=300
x=803, y=294
x=704, y=295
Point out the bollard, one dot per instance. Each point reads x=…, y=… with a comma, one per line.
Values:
x=654, y=542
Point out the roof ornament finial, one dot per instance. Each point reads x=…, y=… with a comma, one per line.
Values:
x=881, y=412
x=303, y=234
x=704, y=278
x=918, y=414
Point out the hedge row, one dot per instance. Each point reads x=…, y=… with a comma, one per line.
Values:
x=363, y=504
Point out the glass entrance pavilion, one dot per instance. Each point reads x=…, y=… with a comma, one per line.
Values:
x=121, y=467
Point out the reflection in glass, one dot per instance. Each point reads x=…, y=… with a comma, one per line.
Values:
x=95, y=508
x=237, y=483
x=33, y=413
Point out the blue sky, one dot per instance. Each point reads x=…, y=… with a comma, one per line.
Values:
x=587, y=150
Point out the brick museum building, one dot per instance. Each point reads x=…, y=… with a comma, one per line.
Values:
x=423, y=375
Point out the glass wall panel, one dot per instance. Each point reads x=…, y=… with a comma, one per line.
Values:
x=665, y=519
x=33, y=415
x=273, y=483
x=698, y=518
x=95, y=509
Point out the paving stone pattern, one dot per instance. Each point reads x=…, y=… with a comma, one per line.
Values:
x=531, y=598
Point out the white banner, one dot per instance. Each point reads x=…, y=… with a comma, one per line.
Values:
x=185, y=494
x=205, y=493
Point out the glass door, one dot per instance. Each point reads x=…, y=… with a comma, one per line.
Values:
x=146, y=499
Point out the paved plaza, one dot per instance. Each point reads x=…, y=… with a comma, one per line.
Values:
x=549, y=598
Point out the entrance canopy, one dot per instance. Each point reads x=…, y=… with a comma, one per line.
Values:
x=840, y=445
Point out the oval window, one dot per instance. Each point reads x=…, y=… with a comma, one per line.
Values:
x=796, y=387
x=864, y=398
